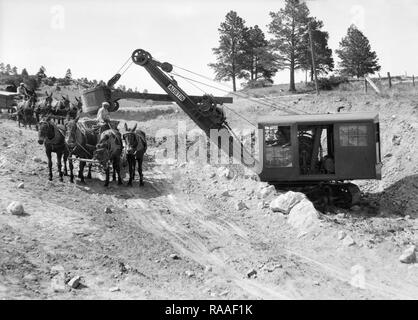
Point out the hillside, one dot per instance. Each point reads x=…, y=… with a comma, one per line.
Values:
x=185, y=234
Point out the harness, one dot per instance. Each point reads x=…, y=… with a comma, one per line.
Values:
x=57, y=133
x=78, y=144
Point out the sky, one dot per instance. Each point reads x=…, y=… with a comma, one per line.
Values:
x=95, y=37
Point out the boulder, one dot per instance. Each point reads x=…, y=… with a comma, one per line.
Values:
x=189, y=273
x=285, y=202
x=58, y=283
x=251, y=273
x=348, y=241
x=396, y=140
x=21, y=185
x=37, y=159
x=225, y=173
x=208, y=269
x=408, y=256
x=240, y=205
x=174, y=256
x=225, y=194
x=262, y=205
x=303, y=216
x=15, y=208
x=108, y=210
x=74, y=282
x=265, y=192
x=341, y=235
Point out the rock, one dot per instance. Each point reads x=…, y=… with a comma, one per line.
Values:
x=348, y=241
x=37, y=159
x=224, y=293
x=174, y=256
x=262, y=205
x=251, y=273
x=108, y=210
x=114, y=289
x=21, y=185
x=208, y=269
x=388, y=155
x=212, y=175
x=225, y=173
x=15, y=208
x=58, y=269
x=396, y=140
x=86, y=188
x=74, y=282
x=30, y=277
x=355, y=208
x=240, y=205
x=303, y=216
x=408, y=256
x=265, y=192
x=58, y=284
x=285, y=202
x=341, y=235
x=189, y=273
x=225, y=194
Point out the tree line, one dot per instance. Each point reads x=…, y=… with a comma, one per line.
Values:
x=245, y=53
x=10, y=76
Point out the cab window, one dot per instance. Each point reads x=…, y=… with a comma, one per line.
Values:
x=278, y=146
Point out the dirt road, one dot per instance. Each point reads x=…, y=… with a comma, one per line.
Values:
x=180, y=238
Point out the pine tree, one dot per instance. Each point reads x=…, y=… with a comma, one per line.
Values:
x=357, y=58
x=324, y=61
x=14, y=71
x=68, y=75
x=24, y=73
x=288, y=26
x=8, y=69
x=229, y=54
x=258, y=59
x=41, y=72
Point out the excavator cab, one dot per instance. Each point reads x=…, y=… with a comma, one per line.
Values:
x=305, y=149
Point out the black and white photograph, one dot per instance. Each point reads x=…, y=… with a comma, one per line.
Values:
x=208, y=155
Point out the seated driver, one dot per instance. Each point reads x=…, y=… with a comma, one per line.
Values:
x=103, y=118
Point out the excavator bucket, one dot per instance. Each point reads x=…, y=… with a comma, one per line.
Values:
x=93, y=98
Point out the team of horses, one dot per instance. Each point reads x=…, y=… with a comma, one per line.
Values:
x=105, y=146
x=31, y=109
x=61, y=132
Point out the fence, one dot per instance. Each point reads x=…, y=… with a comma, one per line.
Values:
x=382, y=82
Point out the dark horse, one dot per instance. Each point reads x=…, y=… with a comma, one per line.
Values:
x=74, y=109
x=81, y=143
x=109, y=149
x=60, y=109
x=135, y=148
x=43, y=108
x=25, y=112
x=53, y=138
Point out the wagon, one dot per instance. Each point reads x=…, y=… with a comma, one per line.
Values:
x=7, y=100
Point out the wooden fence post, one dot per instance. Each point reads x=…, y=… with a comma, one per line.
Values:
x=365, y=85
x=413, y=80
x=390, y=80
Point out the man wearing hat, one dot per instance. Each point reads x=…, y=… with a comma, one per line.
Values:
x=103, y=117
x=22, y=91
